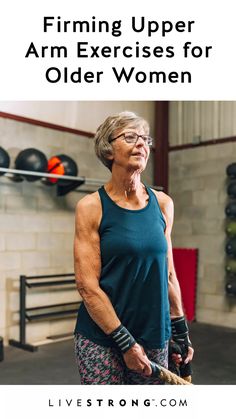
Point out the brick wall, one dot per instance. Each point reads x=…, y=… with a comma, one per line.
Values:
x=198, y=188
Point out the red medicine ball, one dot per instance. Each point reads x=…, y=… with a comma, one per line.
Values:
x=62, y=165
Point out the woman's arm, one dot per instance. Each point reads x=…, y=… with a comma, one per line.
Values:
x=175, y=299
x=87, y=260
x=176, y=308
x=167, y=208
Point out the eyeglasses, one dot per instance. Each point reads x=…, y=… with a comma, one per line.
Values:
x=132, y=138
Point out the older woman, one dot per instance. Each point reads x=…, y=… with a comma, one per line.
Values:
x=124, y=265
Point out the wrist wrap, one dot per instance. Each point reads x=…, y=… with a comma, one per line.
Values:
x=156, y=369
x=123, y=339
x=180, y=331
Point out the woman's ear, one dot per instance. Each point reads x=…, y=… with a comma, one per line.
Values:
x=109, y=153
x=110, y=156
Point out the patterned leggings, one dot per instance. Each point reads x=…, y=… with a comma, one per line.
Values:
x=101, y=365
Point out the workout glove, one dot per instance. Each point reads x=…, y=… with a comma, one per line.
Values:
x=181, y=343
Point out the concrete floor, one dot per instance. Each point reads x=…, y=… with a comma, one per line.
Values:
x=214, y=361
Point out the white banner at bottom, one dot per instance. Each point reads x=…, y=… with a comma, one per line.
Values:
x=170, y=402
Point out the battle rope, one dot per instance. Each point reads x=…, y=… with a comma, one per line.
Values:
x=168, y=376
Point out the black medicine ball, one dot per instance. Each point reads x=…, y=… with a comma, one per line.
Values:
x=230, y=210
x=231, y=190
x=230, y=247
x=32, y=160
x=231, y=170
x=4, y=159
x=230, y=287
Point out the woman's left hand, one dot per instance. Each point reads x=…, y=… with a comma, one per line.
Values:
x=177, y=358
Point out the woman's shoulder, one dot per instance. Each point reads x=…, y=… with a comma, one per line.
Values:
x=89, y=207
x=89, y=200
x=167, y=206
x=164, y=200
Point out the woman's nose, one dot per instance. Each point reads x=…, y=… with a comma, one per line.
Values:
x=140, y=141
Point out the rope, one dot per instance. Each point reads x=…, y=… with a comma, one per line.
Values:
x=171, y=378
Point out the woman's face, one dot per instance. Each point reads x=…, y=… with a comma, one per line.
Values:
x=132, y=156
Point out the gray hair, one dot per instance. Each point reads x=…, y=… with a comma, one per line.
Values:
x=120, y=121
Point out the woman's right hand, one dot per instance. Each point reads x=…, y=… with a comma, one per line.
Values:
x=136, y=360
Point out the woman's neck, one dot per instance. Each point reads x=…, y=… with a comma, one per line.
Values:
x=126, y=184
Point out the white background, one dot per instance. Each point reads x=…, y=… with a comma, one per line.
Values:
x=21, y=22
x=202, y=401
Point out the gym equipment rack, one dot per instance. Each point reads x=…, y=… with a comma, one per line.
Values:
x=76, y=181
x=27, y=313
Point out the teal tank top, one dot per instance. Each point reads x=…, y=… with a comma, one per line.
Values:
x=134, y=273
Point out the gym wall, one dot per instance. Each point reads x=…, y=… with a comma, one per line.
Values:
x=191, y=122
x=79, y=115
x=197, y=183
x=37, y=227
